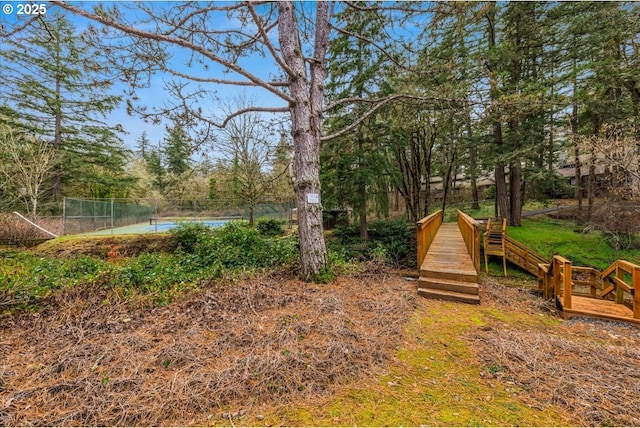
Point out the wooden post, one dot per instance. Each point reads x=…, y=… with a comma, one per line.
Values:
x=556, y=277
x=426, y=230
x=476, y=247
x=636, y=292
x=544, y=278
x=619, y=290
x=566, y=270
x=592, y=280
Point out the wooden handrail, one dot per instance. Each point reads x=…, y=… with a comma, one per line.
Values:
x=559, y=272
x=545, y=275
x=620, y=286
x=522, y=255
x=635, y=278
x=471, y=235
x=425, y=232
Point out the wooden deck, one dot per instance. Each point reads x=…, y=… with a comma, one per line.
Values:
x=447, y=271
x=596, y=308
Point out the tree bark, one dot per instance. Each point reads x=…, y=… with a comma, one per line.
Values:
x=473, y=160
x=501, y=202
x=576, y=149
x=515, y=166
x=515, y=186
x=306, y=118
x=57, y=143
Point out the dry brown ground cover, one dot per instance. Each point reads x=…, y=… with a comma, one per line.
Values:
x=589, y=368
x=90, y=359
x=274, y=351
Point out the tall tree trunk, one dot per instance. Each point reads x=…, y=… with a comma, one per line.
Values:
x=362, y=189
x=502, y=206
x=473, y=161
x=592, y=169
x=576, y=149
x=515, y=166
x=515, y=186
x=447, y=179
x=428, y=141
x=306, y=118
x=551, y=149
x=501, y=192
x=57, y=143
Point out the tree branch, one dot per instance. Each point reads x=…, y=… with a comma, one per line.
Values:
x=178, y=42
x=218, y=81
x=267, y=43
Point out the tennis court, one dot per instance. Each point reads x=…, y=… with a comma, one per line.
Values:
x=123, y=216
x=159, y=226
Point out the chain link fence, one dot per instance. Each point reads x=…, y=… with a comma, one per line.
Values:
x=91, y=215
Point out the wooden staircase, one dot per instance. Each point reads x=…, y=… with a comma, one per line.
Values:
x=448, y=271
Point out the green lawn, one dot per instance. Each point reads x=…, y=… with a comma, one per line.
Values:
x=548, y=237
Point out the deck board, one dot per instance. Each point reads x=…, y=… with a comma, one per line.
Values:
x=448, y=256
x=596, y=308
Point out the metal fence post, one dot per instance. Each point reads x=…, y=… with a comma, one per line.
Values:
x=64, y=215
x=112, y=216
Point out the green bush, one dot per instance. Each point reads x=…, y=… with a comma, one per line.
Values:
x=622, y=240
x=393, y=236
x=201, y=254
x=270, y=227
x=236, y=245
x=186, y=236
x=388, y=239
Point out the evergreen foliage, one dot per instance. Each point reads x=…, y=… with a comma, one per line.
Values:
x=63, y=99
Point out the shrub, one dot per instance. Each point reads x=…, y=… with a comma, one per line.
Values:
x=393, y=236
x=270, y=227
x=186, y=236
x=388, y=239
x=622, y=240
x=236, y=245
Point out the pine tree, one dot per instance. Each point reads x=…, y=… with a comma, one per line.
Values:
x=143, y=145
x=176, y=150
x=58, y=88
x=155, y=168
x=353, y=164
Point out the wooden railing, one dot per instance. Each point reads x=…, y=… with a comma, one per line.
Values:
x=425, y=231
x=560, y=278
x=617, y=284
x=471, y=235
x=522, y=256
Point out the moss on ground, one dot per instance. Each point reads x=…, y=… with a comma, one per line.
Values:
x=435, y=379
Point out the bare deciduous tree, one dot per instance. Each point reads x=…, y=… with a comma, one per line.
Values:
x=248, y=153
x=26, y=165
x=216, y=37
x=206, y=45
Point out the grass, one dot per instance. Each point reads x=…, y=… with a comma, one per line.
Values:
x=434, y=379
x=487, y=209
x=549, y=237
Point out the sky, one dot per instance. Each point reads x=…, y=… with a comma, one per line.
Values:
x=16, y=13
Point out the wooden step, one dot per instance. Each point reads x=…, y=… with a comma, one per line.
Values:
x=451, y=296
x=448, y=285
x=449, y=272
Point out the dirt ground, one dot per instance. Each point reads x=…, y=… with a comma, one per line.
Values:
x=238, y=349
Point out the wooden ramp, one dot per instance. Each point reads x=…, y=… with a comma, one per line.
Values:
x=447, y=271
